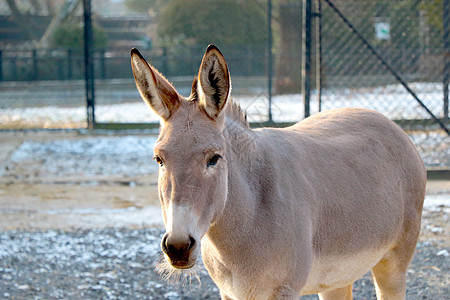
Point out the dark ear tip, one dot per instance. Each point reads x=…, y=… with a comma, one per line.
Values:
x=135, y=51
x=212, y=48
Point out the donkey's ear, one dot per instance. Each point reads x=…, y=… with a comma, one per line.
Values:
x=214, y=82
x=155, y=90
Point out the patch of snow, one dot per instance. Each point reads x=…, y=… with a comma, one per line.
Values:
x=443, y=252
x=116, y=156
x=437, y=202
x=82, y=249
x=392, y=100
x=172, y=295
x=89, y=211
x=44, y=116
x=437, y=230
x=23, y=286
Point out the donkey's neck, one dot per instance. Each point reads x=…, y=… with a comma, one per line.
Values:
x=240, y=137
x=244, y=158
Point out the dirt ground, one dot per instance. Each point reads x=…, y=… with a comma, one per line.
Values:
x=42, y=201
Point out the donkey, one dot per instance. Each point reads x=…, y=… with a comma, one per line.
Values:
x=280, y=213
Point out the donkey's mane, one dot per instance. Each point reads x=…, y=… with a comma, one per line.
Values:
x=235, y=113
x=240, y=136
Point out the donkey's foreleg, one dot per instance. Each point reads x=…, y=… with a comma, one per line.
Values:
x=390, y=272
x=390, y=282
x=344, y=293
x=285, y=293
x=390, y=275
x=224, y=297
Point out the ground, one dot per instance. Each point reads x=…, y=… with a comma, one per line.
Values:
x=80, y=218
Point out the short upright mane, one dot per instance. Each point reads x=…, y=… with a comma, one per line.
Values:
x=235, y=113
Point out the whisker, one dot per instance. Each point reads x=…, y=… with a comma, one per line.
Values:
x=175, y=276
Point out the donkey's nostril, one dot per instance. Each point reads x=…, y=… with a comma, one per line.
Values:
x=176, y=247
x=164, y=244
x=191, y=245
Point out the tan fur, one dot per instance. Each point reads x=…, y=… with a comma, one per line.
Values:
x=287, y=212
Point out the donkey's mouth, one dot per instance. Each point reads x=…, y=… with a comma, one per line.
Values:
x=182, y=266
x=175, y=270
x=181, y=261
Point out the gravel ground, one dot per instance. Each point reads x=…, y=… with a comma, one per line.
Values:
x=45, y=176
x=120, y=264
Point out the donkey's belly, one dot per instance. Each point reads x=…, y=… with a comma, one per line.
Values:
x=332, y=272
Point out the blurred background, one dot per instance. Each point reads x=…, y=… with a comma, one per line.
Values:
x=391, y=56
x=79, y=207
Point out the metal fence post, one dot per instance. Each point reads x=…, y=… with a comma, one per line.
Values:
x=446, y=77
x=69, y=63
x=318, y=39
x=102, y=64
x=1, y=66
x=60, y=70
x=269, y=58
x=89, y=64
x=14, y=69
x=35, y=64
x=306, y=55
x=165, y=59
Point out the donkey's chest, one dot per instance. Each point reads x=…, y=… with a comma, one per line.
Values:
x=233, y=279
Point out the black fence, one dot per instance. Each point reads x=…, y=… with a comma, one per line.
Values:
x=391, y=56
x=400, y=52
x=68, y=63
x=288, y=59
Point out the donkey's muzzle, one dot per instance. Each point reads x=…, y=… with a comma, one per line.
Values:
x=178, y=250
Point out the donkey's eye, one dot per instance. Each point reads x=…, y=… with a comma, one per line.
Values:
x=213, y=161
x=158, y=160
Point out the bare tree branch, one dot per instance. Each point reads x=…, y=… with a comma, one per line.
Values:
x=21, y=20
x=66, y=10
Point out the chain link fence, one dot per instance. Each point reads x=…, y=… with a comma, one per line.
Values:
x=360, y=49
x=41, y=79
x=389, y=56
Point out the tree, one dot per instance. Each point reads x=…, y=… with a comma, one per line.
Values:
x=288, y=68
x=59, y=12
x=70, y=34
x=226, y=22
x=21, y=19
x=146, y=5
x=433, y=12
x=65, y=12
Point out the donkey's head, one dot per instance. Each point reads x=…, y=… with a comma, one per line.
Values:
x=191, y=152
